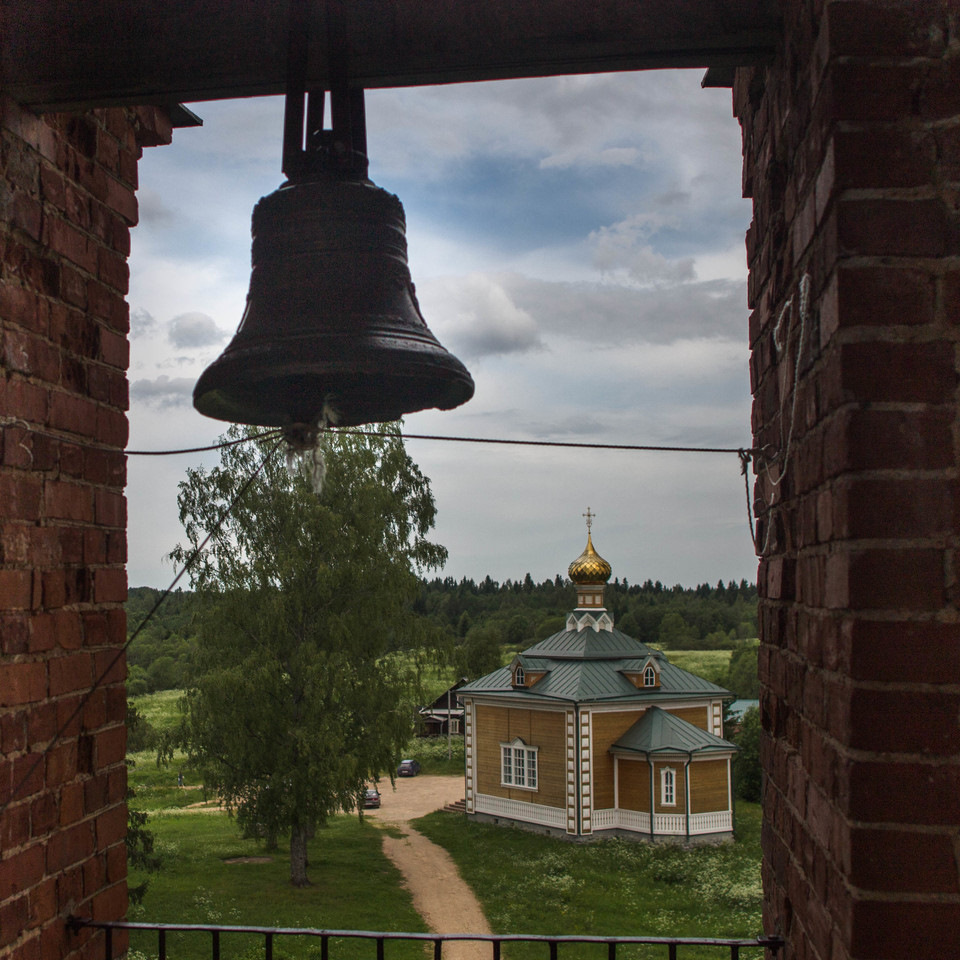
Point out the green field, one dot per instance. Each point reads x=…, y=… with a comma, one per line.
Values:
x=710, y=664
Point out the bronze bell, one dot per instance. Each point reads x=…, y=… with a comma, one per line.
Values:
x=332, y=322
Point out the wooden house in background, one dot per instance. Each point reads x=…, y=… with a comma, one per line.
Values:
x=592, y=733
x=443, y=716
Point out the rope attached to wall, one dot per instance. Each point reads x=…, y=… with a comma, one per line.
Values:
x=766, y=456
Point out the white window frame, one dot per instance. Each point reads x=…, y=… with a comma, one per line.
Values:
x=518, y=765
x=668, y=787
x=519, y=677
x=649, y=676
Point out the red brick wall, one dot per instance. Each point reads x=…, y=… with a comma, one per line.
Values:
x=67, y=203
x=852, y=158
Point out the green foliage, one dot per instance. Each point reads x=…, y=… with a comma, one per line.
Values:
x=522, y=611
x=747, y=774
x=139, y=840
x=432, y=754
x=157, y=659
x=291, y=703
x=742, y=675
x=675, y=633
x=479, y=653
x=141, y=734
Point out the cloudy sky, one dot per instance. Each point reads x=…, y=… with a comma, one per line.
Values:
x=577, y=242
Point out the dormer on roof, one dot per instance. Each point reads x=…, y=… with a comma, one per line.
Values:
x=522, y=675
x=647, y=677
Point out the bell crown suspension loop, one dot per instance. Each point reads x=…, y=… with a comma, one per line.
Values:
x=332, y=329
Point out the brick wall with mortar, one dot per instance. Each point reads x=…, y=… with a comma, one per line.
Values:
x=852, y=158
x=67, y=202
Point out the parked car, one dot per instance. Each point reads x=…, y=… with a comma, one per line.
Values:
x=408, y=768
x=371, y=798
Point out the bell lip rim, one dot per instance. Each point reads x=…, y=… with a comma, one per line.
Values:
x=441, y=387
x=241, y=413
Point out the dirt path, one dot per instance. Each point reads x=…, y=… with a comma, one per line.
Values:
x=439, y=893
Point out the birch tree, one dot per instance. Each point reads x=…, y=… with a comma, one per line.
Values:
x=292, y=704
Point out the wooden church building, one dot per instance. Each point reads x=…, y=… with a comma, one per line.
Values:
x=591, y=733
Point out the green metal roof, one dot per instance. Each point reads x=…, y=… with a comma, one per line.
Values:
x=588, y=666
x=658, y=731
x=589, y=644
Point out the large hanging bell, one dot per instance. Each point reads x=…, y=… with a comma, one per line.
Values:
x=332, y=327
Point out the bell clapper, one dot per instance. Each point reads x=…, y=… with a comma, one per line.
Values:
x=303, y=448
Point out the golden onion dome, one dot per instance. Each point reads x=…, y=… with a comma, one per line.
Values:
x=589, y=567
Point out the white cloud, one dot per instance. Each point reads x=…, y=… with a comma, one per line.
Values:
x=479, y=317
x=624, y=250
x=194, y=329
x=606, y=157
x=163, y=391
x=142, y=322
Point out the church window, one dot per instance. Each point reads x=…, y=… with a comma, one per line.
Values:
x=518, y=677
x=649, y=676
x=668, y=787
x=518, y=765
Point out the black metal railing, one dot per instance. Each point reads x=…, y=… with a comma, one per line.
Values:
x=671, y=945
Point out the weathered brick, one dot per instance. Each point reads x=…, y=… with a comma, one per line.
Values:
x=916, y=924
x=877, y=858
x=23, y=682
x=913, y=372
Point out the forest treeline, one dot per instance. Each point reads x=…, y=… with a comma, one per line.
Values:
x=474, y=622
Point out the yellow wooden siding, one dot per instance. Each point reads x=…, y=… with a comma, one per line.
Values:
x=544, y=729
x=634, y=785
x=608, y=728
x=708, y=786
x=698, y=716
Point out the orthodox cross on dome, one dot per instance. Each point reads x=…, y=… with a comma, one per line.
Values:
x=590, y=518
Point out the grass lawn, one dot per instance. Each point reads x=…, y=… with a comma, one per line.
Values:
x=354, y=887
x=529, y=883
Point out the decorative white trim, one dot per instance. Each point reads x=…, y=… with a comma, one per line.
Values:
x=469, y=754
x=668, y=787
x=521, y=810
x=518, y=765
x=586, y=781
x=587, y=618
x=664, y=824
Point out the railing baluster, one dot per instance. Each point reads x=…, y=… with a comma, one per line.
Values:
x=774, y=944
